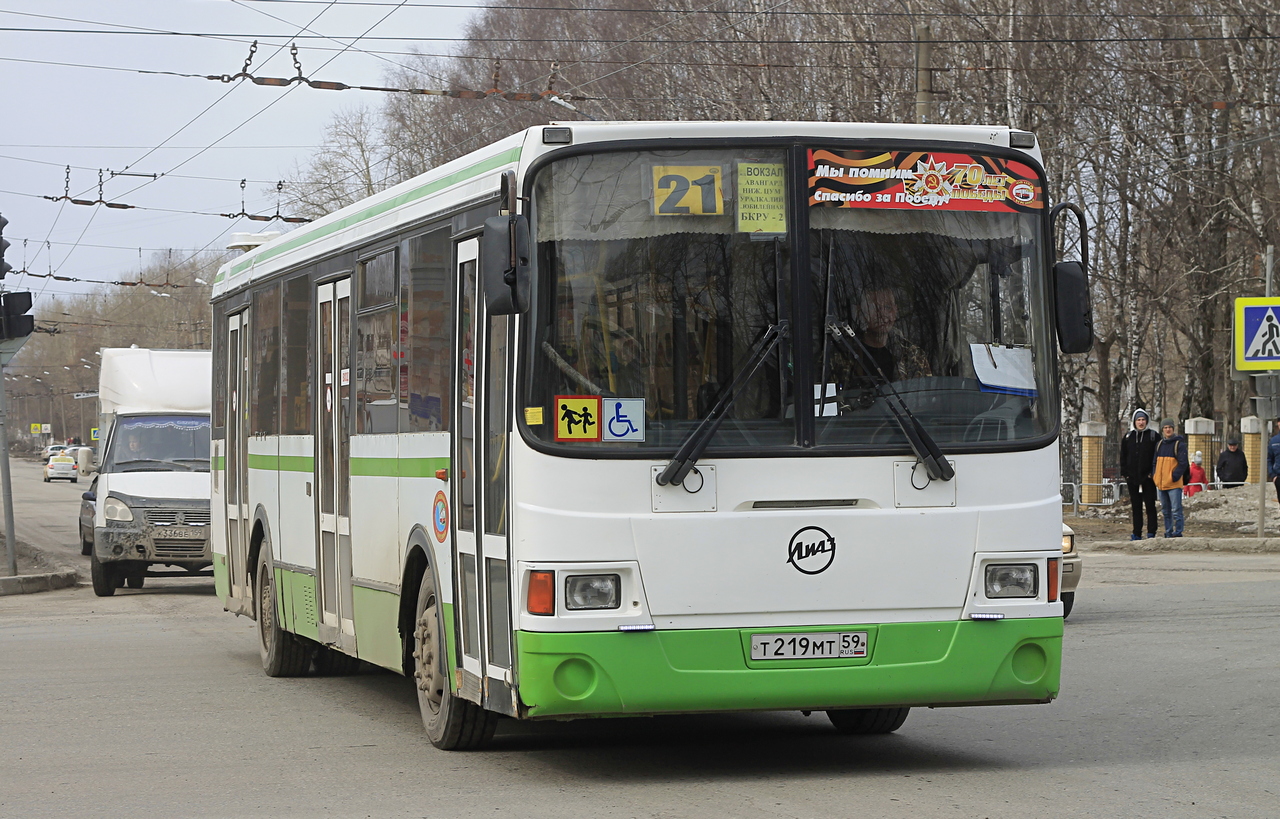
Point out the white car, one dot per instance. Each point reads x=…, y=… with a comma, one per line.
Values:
x=61, y=467
x=51, y=450
x=1072, y=566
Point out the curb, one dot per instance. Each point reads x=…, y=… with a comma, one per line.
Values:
x=32, y=583
x=1238, y=545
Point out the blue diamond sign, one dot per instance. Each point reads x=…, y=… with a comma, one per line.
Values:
x=1257, y=333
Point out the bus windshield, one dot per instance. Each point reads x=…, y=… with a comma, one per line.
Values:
x=658, y=271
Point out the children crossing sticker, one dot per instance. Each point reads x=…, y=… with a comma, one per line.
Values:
x=577, y=417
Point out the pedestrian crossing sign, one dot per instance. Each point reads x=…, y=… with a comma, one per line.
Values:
x=1257, y=333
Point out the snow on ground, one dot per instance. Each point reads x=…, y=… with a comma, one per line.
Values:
x=1238, y=505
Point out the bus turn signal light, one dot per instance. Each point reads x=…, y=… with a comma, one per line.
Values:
x=542, y=593
x=1053, y=580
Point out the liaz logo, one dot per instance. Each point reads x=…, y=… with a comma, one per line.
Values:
x=811, y=550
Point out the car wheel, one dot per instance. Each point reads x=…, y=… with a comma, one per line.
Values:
x=135, y=580
x=46, y=477
x=103, y=576
x=86, y=547
x=1068, y=600
x=863, y=721
x=452, y=724
x=282, y=653
x=75, y=480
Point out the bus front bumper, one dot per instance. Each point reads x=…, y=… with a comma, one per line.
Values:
x=700, y=670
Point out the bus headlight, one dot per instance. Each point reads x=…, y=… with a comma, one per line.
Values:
x=591, y=591
x=116, y=509
x=1011, y=580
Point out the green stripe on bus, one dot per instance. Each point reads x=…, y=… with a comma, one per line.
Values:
x=219, y=462
x=282, y=463
x=271, y=463
x=302, y=237
x=397, y=467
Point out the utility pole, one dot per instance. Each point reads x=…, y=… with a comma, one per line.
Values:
x=924, y=72
x=1265, y=447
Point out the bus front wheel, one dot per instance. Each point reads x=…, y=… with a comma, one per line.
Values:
x=865, y=721
x=283, y=654
x=452, y=723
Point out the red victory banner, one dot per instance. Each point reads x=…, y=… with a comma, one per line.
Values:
x=922, y=180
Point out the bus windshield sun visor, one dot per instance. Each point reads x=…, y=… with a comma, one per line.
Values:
x=692, y=447
x=922, y=444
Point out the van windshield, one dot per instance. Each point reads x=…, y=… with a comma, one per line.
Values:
x=160, y=443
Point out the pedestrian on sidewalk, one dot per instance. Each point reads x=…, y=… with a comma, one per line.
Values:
x=1199, y=481
x=1137, y=454
x=1273, y=460
x=1169, y=471
x=1232, y=469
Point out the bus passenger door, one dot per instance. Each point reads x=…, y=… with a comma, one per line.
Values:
x=237, y=467
x=480, y=496
x=332, y=465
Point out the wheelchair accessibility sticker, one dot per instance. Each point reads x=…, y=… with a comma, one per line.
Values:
x=622, y=419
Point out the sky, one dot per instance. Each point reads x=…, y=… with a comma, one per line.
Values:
x=94, y=119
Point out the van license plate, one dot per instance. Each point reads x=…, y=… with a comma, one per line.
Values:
x=825, y=645
x=180, y=532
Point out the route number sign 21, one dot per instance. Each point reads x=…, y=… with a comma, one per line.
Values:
x=688, y=190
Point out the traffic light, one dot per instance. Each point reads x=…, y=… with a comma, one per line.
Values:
x=5, y=267
x=14, y=323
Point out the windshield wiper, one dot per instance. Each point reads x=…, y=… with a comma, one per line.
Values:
x=697, y=441
x=157, y=461
x=922, y=443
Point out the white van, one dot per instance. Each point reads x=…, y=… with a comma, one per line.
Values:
x=151, y=485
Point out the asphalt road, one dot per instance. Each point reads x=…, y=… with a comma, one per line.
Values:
x=45, y=514
x=153, y=703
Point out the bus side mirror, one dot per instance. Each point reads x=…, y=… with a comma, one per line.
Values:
x=504, y=263
x=1072, y=304
x=1075, y=313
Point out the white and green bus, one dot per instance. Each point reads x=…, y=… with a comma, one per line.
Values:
x=612, y=419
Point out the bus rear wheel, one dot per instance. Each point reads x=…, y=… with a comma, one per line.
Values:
x=283, y=654
x=864, y=721
x=452, y=724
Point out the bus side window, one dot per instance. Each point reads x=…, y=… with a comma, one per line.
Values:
x=265, y=398
x=295, y=409
x=430, y=330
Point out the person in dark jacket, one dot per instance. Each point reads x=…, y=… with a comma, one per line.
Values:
x=1169, y=471
x=1232, y=469
x=1273, y=460
x=1137, y=454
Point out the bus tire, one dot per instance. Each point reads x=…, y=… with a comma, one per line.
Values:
x=863, y=721
x=103, y=576
x=283, y=654
x=1068, y=600
x=452, y=723
x=330, y=662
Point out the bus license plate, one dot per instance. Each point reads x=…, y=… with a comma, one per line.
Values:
x=826, y=645
x=181, y=532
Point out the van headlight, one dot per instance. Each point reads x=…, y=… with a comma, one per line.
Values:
x=1068, y=544
x=591, y=591
x=1011, y=580
x=116, y=509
